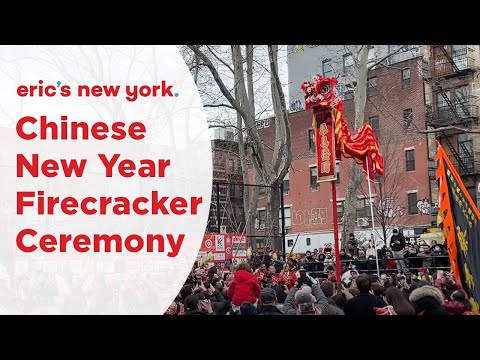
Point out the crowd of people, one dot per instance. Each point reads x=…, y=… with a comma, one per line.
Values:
x=414, y=280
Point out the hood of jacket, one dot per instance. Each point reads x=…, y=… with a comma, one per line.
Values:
x=427, y=291
x=243, y=276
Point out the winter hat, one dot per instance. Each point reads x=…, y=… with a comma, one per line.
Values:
x=304, y=295
x=268, y=295
x=248, y=309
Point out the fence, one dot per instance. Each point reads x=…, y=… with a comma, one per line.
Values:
x=312, y=267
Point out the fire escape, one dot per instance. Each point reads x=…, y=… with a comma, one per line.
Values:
x=447, y=65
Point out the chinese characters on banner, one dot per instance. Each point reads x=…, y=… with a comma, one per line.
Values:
x=460, y=223
x=223, y=250
x=326, y=164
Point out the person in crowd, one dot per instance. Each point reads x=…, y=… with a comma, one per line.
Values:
x=306, y=301
x=328, y=289
x=361, y=262
x=329, y=261
x=196, y=304
x=440, y=255
x=377, y=288
x=352, y=244
x=389, y=262
x=410, y=255
x=428, y=300
x=426, y=256
x=364, y=303
x=458, y=303
x=268, y=303
x=372, y=264
x=309, y=262
x=245, y=287
x=345, y=257
x=446, y=284
x=397, y=244
x=287, y=275
x=395, y=298
x=321, y=265
x=248, y=309
x=261, y=273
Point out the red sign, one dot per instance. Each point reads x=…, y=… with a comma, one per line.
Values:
x=223, y=250
x=325, y=144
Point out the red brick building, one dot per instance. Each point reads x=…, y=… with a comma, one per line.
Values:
x=396, y=110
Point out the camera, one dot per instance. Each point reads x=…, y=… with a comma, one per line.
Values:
x=307, y=308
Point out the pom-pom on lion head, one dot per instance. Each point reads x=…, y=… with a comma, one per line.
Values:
x=320, y=93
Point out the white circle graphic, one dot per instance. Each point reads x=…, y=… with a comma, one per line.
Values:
x=106, y=178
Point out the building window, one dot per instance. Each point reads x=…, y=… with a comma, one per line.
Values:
x=407, y=118
x=347, y=63
x=286, y=183
x=412, y=204
x=309, y=242
x=340, y=210
x=327, y=68
x=461, y=101
x=465, y=151
x=405, y=78
x=288, y=217
x=313, y=178
x=262, y=219
x=231, y=166
x=444, y=111
x=337, y=170
x=372, y=89
x=373, y=121
x=363, y=208
x=410, y=159
x=290, y=242
x=311, y=142
x=371, y=53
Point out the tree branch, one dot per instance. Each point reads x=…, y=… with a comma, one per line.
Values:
x=218, y=80
x=219, y=59
x=386, y=57
x=219, y=105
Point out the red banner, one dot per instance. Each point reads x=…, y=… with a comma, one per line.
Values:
x=325, y=144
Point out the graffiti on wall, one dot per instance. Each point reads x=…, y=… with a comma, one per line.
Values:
x=387, y=208
x=423, y=207
x=309, y=217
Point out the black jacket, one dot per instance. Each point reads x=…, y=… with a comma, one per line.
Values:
x=362, y=305
x=269, y=310
x=397, y=247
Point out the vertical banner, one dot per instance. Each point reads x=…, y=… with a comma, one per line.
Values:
x=325, y=144
x=460, y=223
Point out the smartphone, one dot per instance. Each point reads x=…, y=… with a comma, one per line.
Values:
x=308, y=308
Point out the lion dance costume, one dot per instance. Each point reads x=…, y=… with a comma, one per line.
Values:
x=321, y=98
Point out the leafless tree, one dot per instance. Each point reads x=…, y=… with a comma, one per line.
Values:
x=234, y=76
x=388, y=200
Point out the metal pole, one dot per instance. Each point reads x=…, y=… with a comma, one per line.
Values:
x=373, y=218
x=335, y=233
x=282, y=204
x=218, y=206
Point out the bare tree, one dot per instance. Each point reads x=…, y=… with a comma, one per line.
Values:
x=359, y=75
x=241, y=97
x=389, y=202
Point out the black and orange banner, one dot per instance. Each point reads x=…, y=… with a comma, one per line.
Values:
x=325, y=146
x=459, y=219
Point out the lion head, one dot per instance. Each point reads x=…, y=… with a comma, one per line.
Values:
x=320, y=93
